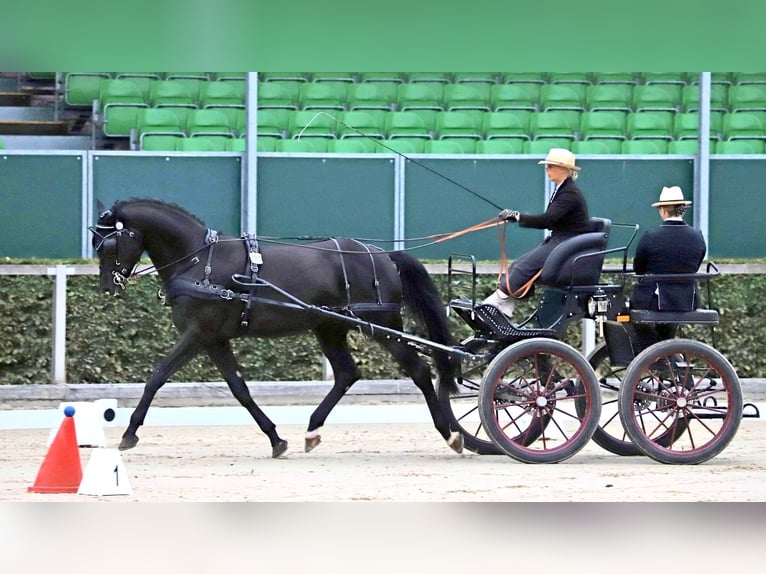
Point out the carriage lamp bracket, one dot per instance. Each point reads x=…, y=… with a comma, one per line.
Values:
x=598, y=306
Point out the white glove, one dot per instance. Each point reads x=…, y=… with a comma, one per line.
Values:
x=508, y=215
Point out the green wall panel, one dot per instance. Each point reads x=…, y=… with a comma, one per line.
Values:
x=41, y=205
x=737, y=208
x=207, y=186
x=339, y=197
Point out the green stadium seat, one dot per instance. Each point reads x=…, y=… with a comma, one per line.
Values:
x=719, y=97
x=724, y=78
x=686, y=125
x=323, y=96
x=542, y=147
x=372, y=96
x=352, y=145
x=523, y=77
x=273, y=122
x=687, y=147
x=657, y=97
x=2, y=144
x=81, y=88
x=403, y=146
x=627, y=78
x=220, y=95
x=459, y=124
x=672, y=78
x=203, y=144
x=507, y=124
x=299, y=77
x=348, y=77
x=500, y=146
x=562, y=97
x=424, y=96
x=151, y=141
x=406, y=124
x=265, y=143
x=279, y=94
x=747, y=98
x=303, y=145
x=142, y=80
x=743, y=78
x=429, y=77
x=309, y=124
x=362, y=123
x=609, y=97
x=120, y=102
x=158, y=122
x=604, y=124
x=740, y=147
x=192, y=80
x=583, y=78
x=514, y=97
x=652, y=125
x=475, y=77
x=744, y=125
x=448, y=147
x=554, y=124
x=645, y=146
x=597, y=147
x=237, y=144
x=467, y=96
x=208, y=122
x=227, y=76
x=396, y=77
x=171, y=93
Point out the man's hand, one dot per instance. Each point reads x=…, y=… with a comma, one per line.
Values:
x=508, y=215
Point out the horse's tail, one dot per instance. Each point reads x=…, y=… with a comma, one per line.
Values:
x=422, y=299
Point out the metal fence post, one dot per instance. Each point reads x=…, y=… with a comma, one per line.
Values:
x=58, y=363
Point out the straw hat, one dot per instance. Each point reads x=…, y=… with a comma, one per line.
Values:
x=671, y=196
x=562, y=157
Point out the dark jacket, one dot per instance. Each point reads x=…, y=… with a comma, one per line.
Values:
x=674, y=247
x=566, y=215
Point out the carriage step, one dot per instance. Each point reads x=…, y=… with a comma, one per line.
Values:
x=502, y=327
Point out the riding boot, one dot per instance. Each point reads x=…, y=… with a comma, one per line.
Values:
x=505, y=303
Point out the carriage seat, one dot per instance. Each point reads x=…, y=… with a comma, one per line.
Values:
x=696, y=317
x=578, y=261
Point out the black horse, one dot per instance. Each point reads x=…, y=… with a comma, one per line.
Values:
x=223, y=287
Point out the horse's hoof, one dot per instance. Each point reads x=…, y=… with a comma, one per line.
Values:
x=128, y=442
x=279, y=449
x=455, y=442
x=312, y=442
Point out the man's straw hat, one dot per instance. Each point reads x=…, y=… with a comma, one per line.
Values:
x=671, y=196
x=561, y=157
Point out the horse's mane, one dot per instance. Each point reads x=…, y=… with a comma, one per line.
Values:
x=151, y=201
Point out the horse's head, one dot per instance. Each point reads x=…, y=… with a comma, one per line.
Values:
x=119, y=250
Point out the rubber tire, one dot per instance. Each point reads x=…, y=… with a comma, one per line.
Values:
x=665, y=453
x=587, y=384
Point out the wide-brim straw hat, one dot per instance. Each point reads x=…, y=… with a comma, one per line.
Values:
x=671, y=196
x=562, y=157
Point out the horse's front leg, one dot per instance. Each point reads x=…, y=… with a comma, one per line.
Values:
x=222, y=356
x=184, y=350
x=332, y=340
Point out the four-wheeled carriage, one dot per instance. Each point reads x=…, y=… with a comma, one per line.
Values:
x=525, y=393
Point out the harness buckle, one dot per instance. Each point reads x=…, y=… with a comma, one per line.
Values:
x=227, y=294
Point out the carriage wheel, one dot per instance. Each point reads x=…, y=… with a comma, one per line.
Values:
x=609, y=434
x=685, y=389
x=530, y=390
x=462, y=409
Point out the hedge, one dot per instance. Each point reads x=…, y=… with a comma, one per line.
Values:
x=122, y=339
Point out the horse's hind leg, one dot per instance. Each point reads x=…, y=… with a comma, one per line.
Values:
x=332, y=340
x=183, y=351
x=224, y=360
x=415, y=367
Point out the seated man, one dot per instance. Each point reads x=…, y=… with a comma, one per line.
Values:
x=673, y=247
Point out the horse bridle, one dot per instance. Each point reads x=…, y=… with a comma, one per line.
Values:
x=109, y=240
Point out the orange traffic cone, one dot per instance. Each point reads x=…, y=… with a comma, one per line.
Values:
x=61, y=470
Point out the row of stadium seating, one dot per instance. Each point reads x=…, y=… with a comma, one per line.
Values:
x=632, y=78
x=405, y=96
x=467, y=126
